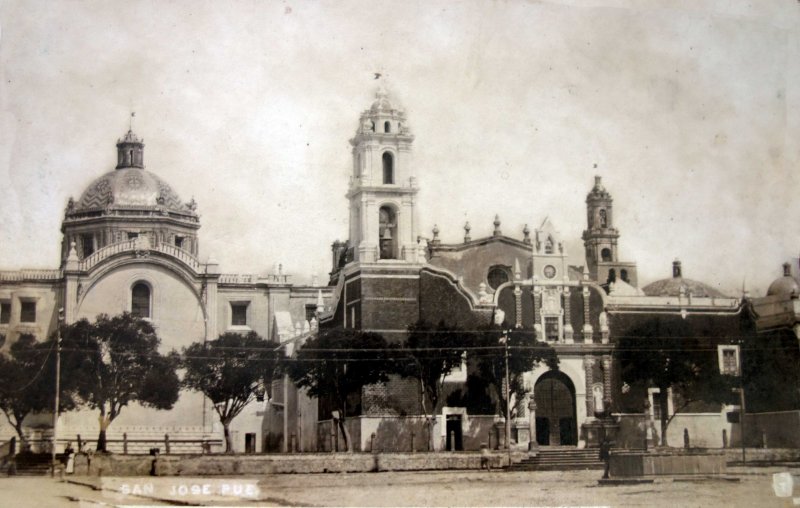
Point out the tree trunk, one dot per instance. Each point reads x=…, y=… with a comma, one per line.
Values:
x=101, y=438
x=663, y=397
x=346, y=434
x=228, y=439
x=101, y=441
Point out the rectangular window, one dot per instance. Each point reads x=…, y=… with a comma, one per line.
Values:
x=239, y=313
x=87, y=241
x=179, y=242
x=311, y=311
x=5, y=313
x=656, y=407
x=27, y=312
x=131, y=236
x=728, y=360
x=551, y=329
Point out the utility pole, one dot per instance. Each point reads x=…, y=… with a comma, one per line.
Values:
x=58, y=389
x=508, y=401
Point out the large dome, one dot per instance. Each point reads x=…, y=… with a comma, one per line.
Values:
x=677, y=285
x=786, y=285
x=129, y=188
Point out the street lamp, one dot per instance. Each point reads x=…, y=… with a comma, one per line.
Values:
x=58, y=388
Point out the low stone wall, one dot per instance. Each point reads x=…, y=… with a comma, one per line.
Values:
x=666, y=463
x=776, y=429
x=210, y=465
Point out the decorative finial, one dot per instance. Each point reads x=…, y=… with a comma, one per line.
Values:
x=517, y=271
x=435, y=233
x=787, y=270
x=497, y=231
x=526, y=231
x=467, y=229
x=130, y=123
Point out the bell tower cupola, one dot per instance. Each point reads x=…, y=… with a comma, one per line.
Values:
x=383, y=187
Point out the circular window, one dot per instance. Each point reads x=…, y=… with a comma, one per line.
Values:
x=549, y=271
x=497, y=275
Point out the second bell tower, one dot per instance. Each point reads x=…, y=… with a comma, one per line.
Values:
x=383, y=188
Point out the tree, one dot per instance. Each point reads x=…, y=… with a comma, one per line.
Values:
x=115, y=361
x=669, y=354
x=338, y=363
x=27, y=382
x=433, y=353
x=524, y=354
x=230, y=371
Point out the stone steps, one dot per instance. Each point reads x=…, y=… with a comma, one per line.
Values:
x=560, y=459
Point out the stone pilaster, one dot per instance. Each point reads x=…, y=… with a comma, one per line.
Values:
x=607, y=383
x=587, y=326
x=568, y=332
x=518, y=306
x=588, y=367
x=537, y=314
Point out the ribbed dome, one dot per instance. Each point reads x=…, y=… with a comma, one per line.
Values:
x=786, y=285
x=678, y=285
x=672, y=287
x=128, y=188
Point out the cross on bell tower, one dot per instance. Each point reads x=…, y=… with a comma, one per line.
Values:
x=383, y=188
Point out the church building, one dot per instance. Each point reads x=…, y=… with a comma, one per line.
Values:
x=131, y=244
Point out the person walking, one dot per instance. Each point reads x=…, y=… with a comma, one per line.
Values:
x=605, y=455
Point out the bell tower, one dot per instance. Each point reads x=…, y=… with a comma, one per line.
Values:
x=383, y=188
x=600, y=239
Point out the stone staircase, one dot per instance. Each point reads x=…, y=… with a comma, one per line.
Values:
x=560, y=458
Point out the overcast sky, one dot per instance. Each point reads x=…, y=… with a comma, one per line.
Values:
x=690, y=110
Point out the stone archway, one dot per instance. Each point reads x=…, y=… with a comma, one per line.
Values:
x=556, y=418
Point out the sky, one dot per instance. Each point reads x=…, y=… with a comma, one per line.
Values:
x=689, y=110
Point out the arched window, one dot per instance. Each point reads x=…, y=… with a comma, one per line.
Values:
x=387, y=127
x=612, y=276
x=603, y=218
x=140, y=300
x=548, y=245
x=605, y=255
x=623, y=274
x=388, y=168
x=387, y=231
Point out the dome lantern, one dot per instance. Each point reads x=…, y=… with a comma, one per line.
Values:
x=130, y=152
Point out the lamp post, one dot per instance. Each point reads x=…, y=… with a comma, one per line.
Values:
x=58, y=389
x=508, y=398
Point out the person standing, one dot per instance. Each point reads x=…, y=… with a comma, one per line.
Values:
x=605, y=455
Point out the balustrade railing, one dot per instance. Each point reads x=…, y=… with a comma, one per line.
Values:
x=139, y=244
x=19, y=275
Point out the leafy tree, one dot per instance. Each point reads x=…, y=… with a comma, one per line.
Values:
x=524, y=354
x=667, y=353
x=338, y=363
x=115, y=361
x=230, y=371
x=27, y=382
x=433, y=352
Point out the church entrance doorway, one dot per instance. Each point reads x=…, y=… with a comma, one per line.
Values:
x=556, y=420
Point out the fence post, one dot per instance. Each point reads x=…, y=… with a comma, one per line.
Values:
x=125, y=443
x=80, y=443
x=166, y=443
x=372, y=443
x=724, y=438
x=413, y=448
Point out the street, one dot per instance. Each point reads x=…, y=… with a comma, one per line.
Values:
x=451, y=488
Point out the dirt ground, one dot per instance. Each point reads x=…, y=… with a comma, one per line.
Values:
x=450, y=488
